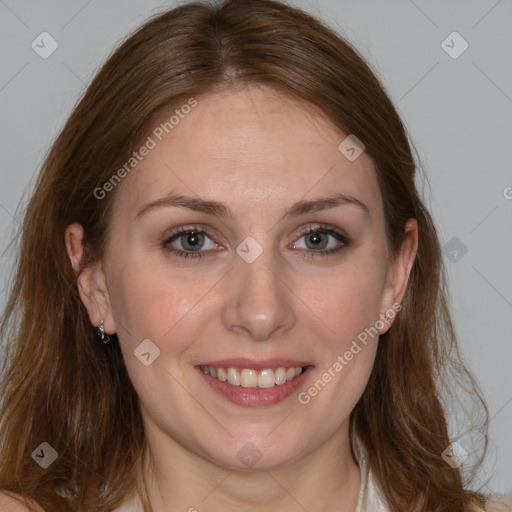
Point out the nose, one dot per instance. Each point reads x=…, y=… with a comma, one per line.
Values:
x=259, y=302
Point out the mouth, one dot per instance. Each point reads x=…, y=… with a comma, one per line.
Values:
x=251, y=378
x=251, y=384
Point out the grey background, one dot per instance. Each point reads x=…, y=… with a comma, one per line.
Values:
x=458, y=113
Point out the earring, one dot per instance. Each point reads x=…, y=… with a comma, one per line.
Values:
x=101, y=334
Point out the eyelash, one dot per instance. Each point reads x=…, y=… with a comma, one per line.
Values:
x=319, y=228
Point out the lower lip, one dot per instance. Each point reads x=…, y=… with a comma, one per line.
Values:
x=256, y=397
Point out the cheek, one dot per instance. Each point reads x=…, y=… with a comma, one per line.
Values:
x=350, y=313
x=149, y=303
x=348, y=301
x=149, y=300
x=348, y=304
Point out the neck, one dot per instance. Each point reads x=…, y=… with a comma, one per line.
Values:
x=179, y=479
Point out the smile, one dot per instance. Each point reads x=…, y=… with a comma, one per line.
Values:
x=255, y=384
x=251, y=378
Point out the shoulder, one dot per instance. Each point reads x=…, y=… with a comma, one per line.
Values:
x=499, y=504
x=10, y=504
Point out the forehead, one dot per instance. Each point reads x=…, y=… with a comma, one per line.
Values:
x=254, y=147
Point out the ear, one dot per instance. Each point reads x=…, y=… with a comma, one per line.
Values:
x=398, y=275
x=91, y=280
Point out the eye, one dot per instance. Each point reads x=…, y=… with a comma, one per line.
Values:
x=323, y=240
x=194, y=241
x=189, y=242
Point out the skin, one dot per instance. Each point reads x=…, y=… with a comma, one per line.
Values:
x=258, y=152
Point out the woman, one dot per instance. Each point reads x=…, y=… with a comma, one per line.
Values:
x=229, y=294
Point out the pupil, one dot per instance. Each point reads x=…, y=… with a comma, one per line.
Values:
x=315, y=239
x=193, y=240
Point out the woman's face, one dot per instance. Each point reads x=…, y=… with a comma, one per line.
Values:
x=256, y=292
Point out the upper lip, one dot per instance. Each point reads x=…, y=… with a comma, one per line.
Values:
x=255, y=364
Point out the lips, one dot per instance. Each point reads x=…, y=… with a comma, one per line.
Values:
x=253, y=383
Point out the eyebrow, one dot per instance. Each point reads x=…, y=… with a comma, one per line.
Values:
x=221, y=210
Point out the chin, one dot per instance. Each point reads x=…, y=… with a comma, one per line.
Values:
x=257, y=454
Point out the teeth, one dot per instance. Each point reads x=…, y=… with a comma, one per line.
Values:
x=280, y=375
x=233, y=377
x=266, y=379
x=249, y=378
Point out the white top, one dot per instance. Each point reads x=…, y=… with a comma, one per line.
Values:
x=370, y=499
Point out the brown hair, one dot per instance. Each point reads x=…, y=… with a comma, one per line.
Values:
x=60, y=386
